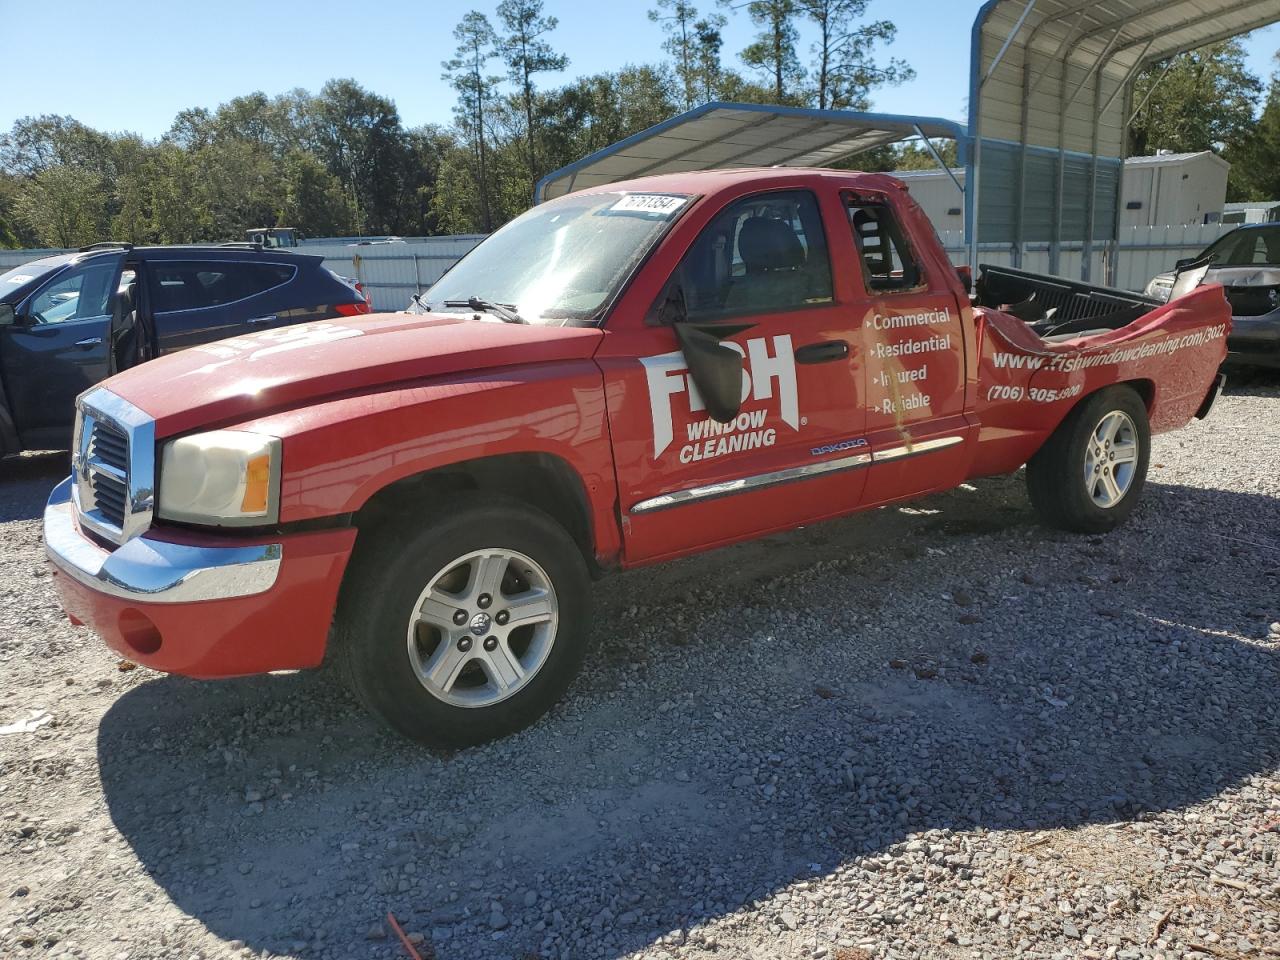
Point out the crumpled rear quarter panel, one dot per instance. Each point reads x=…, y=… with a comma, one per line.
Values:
x=1027, y=386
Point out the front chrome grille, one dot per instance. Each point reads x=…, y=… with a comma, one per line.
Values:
x=109, y=472
x=113, y=466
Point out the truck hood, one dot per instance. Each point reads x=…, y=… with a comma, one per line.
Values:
x=230, y=380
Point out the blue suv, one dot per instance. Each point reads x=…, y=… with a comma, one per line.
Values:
x=69, y=321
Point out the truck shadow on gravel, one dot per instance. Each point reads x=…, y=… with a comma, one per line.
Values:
x=825, y=696
x=26, y=480
x=1252, y=381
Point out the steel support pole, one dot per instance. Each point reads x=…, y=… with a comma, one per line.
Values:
x=1086, y=260
x=1028, y=90
x=1017, y=28
x=974, y=186
x=1055, y=243
x=937, y=158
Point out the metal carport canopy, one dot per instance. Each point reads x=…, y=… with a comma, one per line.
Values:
x=1050, y=93
x=719, y=135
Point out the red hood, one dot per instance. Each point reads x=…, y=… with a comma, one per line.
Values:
x=257, y=373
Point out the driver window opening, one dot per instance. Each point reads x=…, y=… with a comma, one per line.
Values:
x=887, y=263
x=81, y=294
x=763, y=253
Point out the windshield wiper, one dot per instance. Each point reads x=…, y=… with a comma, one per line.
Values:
x=504, y=310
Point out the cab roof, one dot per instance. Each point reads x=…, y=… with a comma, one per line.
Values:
x=707, y=182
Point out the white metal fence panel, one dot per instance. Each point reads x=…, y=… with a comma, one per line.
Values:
x=1144, y=252
x=393, y=272
x=1140, y=254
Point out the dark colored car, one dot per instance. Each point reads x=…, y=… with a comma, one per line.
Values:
x=69, y=321
x=1246, y=262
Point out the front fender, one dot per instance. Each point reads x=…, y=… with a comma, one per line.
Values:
x=339, y=453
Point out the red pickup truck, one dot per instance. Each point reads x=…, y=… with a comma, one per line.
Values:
x=624, y=375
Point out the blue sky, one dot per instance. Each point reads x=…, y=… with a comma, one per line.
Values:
x=133, y=67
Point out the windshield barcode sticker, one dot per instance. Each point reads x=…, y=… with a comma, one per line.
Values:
x=656, y=204
x=19, y=278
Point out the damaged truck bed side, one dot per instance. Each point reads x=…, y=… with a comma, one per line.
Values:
x=623, y=375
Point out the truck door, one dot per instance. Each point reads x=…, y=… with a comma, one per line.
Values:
x=914, y=343
x=756, y=281
x=58, y=347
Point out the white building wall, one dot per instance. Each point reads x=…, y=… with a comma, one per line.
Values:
x=1171, y=190
x=937, y=195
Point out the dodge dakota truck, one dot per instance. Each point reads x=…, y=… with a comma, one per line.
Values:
x=624, y=375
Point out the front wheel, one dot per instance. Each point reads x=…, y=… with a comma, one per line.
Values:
x=467, y=628
x=1089, y=475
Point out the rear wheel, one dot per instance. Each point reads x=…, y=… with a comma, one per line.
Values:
x=1089, y=475
x=469, y=627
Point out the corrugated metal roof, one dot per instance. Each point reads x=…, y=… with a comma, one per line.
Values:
x=1169, y=157
x=1055, y=77
x=719, y=135
x=1036, y=61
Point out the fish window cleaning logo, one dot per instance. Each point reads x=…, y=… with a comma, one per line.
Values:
x=769, y=374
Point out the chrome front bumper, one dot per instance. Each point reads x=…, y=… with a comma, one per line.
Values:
x=155, y=571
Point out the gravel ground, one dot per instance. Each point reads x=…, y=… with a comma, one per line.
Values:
x=934, y=731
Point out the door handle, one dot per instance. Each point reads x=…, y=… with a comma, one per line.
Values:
x=269, y=318
x=88, y=342
x=822, y=352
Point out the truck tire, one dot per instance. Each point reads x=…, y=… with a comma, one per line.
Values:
x=1089, y=475
x=467, y=626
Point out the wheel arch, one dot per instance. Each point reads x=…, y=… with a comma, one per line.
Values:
x=544, y=481
x=1146, y=389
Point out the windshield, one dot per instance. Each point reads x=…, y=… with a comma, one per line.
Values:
x=23, y=276
x=1257, y=246
x=562, y=260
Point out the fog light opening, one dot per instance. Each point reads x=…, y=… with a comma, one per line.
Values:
x=139, y=632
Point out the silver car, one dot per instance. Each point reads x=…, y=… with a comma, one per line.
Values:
x=1246, y=262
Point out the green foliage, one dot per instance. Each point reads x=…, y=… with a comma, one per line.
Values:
x=846, y=71
x=1201, y=100
x=1255, y=158
x=773, y=52
x=64, y=205
x=526, y=53
x=341, y=161
x=476, y=89
x=915, y=156
x=693, y=41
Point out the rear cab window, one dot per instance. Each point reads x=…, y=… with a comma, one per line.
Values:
x=884, y=253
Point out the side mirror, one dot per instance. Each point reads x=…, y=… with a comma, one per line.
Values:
x=1184, y=262
x=715, y=368
x=669, y=309
x=7, y=316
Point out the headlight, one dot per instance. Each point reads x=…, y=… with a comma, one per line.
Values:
x=224, y=478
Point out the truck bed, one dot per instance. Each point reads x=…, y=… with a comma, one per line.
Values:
x=1056, y=308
